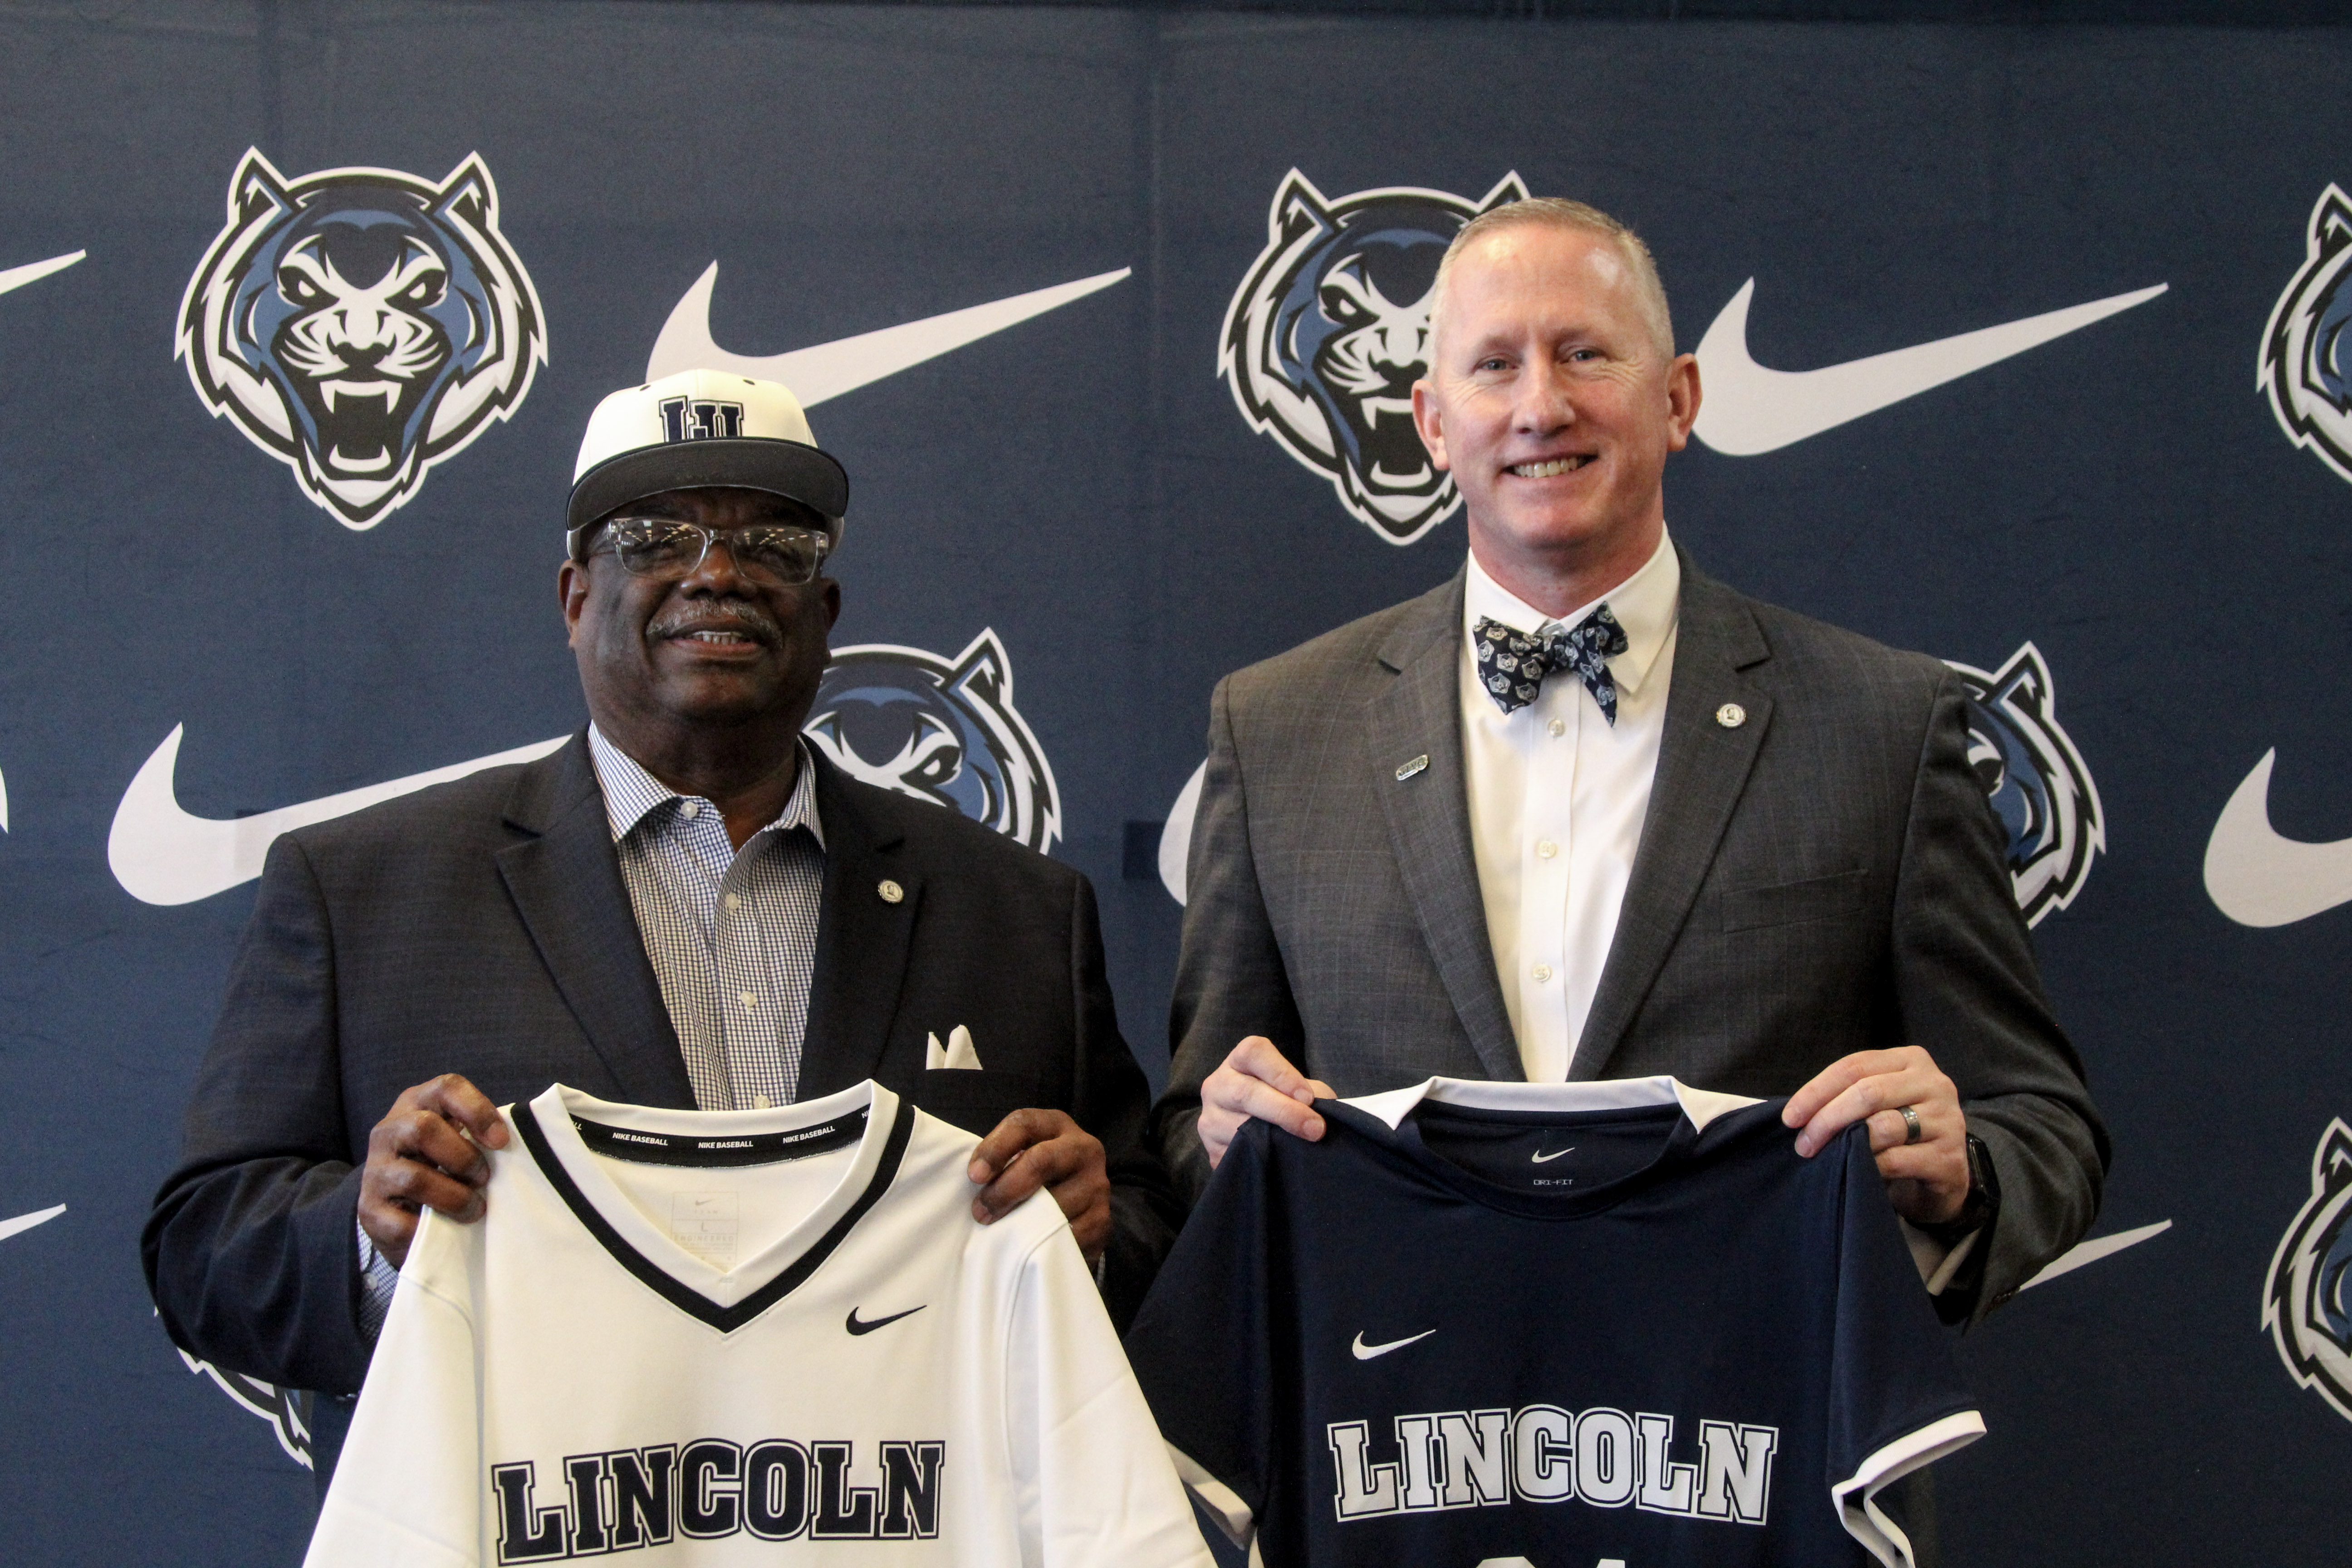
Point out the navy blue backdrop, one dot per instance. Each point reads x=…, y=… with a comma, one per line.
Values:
x=2165, y=528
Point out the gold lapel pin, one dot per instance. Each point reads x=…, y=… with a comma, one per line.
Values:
x=891, y=892
x=1731, y=715
x=1412, y=767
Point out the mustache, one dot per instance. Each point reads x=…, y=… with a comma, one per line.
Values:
x=752, y=620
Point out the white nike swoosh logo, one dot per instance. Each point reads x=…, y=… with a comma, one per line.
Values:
x=163, y=855
x=1547, y=1159
x=1366, y=1352
x=1746, y=410
x=24, y=1221
x=2091, y=1251
x=34, y=271
x=2258, y=879
x=828, y=370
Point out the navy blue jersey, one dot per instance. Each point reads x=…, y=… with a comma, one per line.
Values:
x=1557, y=1324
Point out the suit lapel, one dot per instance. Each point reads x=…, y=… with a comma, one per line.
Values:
x=566, y=884
x=1703, y=766
x=1428, y=809
x=863, y=939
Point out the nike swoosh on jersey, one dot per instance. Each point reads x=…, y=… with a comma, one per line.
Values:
x=24, y=1221
x=2259, y=879
x=34, y=271
x=163, y=855
x=1746, y=410
x=855, y=1327
x=1543, y=1159
x=1366, y=1352
x=828, y=370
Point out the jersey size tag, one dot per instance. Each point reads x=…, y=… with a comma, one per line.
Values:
x=738, y=1149
x=705, y=1224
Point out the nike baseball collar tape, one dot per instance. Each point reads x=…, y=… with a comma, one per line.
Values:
x=699, y=429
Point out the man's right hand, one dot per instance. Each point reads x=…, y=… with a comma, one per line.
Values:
x=1257, y=1080
x=427, y=1153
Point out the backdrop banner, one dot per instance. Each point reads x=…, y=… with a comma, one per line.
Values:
x=2023, y=347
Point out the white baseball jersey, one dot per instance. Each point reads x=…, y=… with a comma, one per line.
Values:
x=753, y=1336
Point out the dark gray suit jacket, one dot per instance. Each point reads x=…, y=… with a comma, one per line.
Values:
x=1824, y=877
x=483, y=928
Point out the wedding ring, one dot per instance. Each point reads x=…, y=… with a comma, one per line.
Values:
x=1910, y=1123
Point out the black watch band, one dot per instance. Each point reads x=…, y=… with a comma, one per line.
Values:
x=1983, y=1202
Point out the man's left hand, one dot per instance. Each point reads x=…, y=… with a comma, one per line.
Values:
x=1033, y=1149
x=1927, y=1181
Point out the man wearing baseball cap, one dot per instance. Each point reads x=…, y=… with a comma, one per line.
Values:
x=686, y=905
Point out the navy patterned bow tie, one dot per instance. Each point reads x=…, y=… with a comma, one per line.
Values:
x=1512, y=663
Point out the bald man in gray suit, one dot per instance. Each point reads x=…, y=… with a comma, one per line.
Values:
x=1584, y=812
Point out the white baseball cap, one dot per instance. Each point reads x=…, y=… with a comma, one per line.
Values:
x=698, y=428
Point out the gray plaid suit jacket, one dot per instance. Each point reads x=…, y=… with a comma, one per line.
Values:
x=1824, y=877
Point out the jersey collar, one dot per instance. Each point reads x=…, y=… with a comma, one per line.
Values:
x=726, y=1300
x=1700, y=1106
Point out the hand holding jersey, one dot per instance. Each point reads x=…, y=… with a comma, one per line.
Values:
x=1927, y=1178
x=427, y=1153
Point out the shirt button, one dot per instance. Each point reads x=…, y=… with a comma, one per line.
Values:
x=761, y=1102
x=690, y=808
x=734, y=901
x=1543, y=972
x=1546, y=849
x=1557, y=727
x=750, y=999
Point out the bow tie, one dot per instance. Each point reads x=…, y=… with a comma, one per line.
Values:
x=1512, y=663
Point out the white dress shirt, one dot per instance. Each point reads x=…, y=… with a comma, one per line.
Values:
x=1557, y=799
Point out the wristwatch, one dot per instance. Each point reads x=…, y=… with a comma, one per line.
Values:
x=1983, y=1202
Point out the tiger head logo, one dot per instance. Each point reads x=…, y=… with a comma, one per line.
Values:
x=1330, y=329
x=941, y=729
x=361, y=325
x=2039, y=790
x=2307, y=1303
x=2303, y=365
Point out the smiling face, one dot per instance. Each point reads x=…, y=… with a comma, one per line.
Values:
x=1548, y=399
x=669, y=664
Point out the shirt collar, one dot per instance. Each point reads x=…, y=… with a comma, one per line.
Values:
x=630, y=792
x=1644, y=604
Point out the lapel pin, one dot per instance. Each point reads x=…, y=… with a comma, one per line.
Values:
x=891, y=892
x=1412, y=767
x=1731, y=715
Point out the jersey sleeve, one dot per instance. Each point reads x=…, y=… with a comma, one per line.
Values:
x=1202, y=1344
x=407, y=1489
x=1896, y=1402
x=1096, y=1485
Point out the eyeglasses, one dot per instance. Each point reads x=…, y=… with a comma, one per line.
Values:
x=666, y=547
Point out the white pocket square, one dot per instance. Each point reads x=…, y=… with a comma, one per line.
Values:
x=958, y=1053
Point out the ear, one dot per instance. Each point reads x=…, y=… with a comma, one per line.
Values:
x=571, y=589
x=257, y=187
x=1432, y=426
x=1681, y=400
